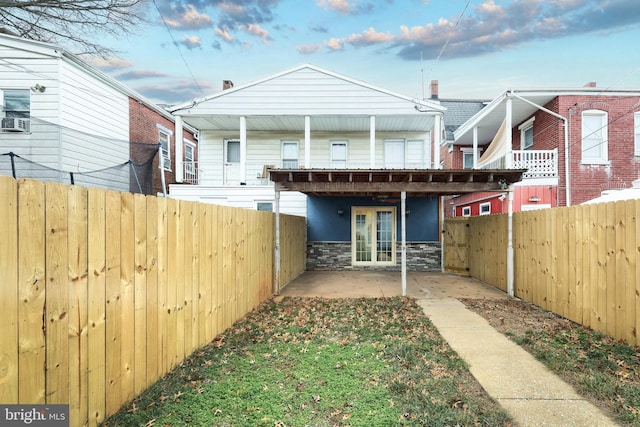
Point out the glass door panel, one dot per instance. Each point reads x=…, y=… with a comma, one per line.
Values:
x=384, y=236
x=363, y=238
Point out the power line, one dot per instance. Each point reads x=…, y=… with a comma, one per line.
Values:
x=177, y=47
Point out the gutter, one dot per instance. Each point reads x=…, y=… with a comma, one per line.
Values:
x=566, y=143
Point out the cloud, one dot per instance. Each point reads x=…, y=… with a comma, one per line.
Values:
x=186, y=17
x=256, y=30
x=346, y=7
x=107, y=64
x=174, y=92
x=492, y=27
x=140, y=74
x=190, y=42
x=224, y=34
x=308, y=49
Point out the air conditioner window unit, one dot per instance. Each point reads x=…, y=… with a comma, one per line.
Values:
x=15, y=124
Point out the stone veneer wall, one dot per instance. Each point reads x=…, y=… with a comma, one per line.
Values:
x=421, y=256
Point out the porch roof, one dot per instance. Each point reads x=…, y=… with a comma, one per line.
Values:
x=387, y=182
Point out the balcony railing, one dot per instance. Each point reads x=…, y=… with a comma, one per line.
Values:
x=538, y=163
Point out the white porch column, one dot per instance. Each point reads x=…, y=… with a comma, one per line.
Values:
x=243, y=150
x=475, y=147
x=403, y=214
x=437, y=140
x=276, y=249
x=372, y=142
x=510, y=260
x=179, y=148
x=508, y=126
x=307, y=142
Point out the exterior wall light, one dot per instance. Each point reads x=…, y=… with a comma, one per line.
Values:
x=340, y=211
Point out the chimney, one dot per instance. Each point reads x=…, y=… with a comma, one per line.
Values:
x=434, y=89
x=590, y=84
x=227, y=84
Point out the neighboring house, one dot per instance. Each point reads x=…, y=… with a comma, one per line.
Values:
x=341, y=152
x=63, y=120
x=597, y=150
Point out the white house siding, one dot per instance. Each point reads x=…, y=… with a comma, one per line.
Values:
x=291, y=203
x=22, y=66
x=95, y=126
x=305, y=91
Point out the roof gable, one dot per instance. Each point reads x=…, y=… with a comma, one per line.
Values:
x=307, y=90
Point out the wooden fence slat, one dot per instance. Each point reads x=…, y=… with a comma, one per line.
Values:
x=127, y=297
x=182, y=211
x=195, y=287
x=204, y=275
x=187, y=288
x=152, y=300
x=634, y=252
x=32, y=283
x=140, y=293
x=172, y=282
x=163, y=292
x=78, y=305
x=113, y=309
x=9, y=290
x=57, y=297
x=96, y=295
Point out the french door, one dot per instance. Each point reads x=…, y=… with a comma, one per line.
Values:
x=373, y=236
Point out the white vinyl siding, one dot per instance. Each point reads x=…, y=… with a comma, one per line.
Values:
x=594, y=137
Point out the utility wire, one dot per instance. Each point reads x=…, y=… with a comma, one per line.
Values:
x=177, y=47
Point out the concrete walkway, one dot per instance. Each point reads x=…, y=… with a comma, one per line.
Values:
x=516, y=380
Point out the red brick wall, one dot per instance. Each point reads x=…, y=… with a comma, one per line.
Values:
x=143, y=128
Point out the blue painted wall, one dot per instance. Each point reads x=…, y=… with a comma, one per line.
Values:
x=325, y=225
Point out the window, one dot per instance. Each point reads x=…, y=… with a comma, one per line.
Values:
x=233, y=151
x=594, y=137
x=467, y=157
x=190, y=160
x=165, y=142
x=16, y=103
x=394, y=153
x=636, y=133
x=485, y=208
x=290, y=154
x=466, y=211
x=339, y=154
x=265, y=206
x=526, y=134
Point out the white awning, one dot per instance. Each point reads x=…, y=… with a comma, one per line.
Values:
x=497, y=149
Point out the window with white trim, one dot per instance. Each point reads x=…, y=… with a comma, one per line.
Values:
x=595, y=145
x=485, y=208
x=16, y=103
x=636, y=133
x=467, y=157
x=232, y=154
x=466, y=211
x=189, y=160
x=339, y=154
x=526, y=134
x=264, y=206
x=289, y=154
x=394, y=153
x=164, y=138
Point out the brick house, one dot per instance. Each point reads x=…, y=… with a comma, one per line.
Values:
x=597, y=150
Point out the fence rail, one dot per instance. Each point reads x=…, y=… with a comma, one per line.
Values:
x=580, y=262
x=104, y=292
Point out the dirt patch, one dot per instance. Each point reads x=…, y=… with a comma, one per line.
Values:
x=515, y=316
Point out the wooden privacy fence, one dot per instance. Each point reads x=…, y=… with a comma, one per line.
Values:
x=580, y=262
x=102, y=293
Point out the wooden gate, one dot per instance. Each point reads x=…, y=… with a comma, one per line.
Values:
x=456, y=245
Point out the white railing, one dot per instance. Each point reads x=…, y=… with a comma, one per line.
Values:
x=538, y=163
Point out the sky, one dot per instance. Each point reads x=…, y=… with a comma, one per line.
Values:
x=476, y=49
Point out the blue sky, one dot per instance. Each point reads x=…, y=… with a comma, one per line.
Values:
x=474, y=48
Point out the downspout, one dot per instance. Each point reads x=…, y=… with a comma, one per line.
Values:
x=566, y=142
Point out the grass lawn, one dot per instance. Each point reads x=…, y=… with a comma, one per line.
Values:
x=320, y=362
